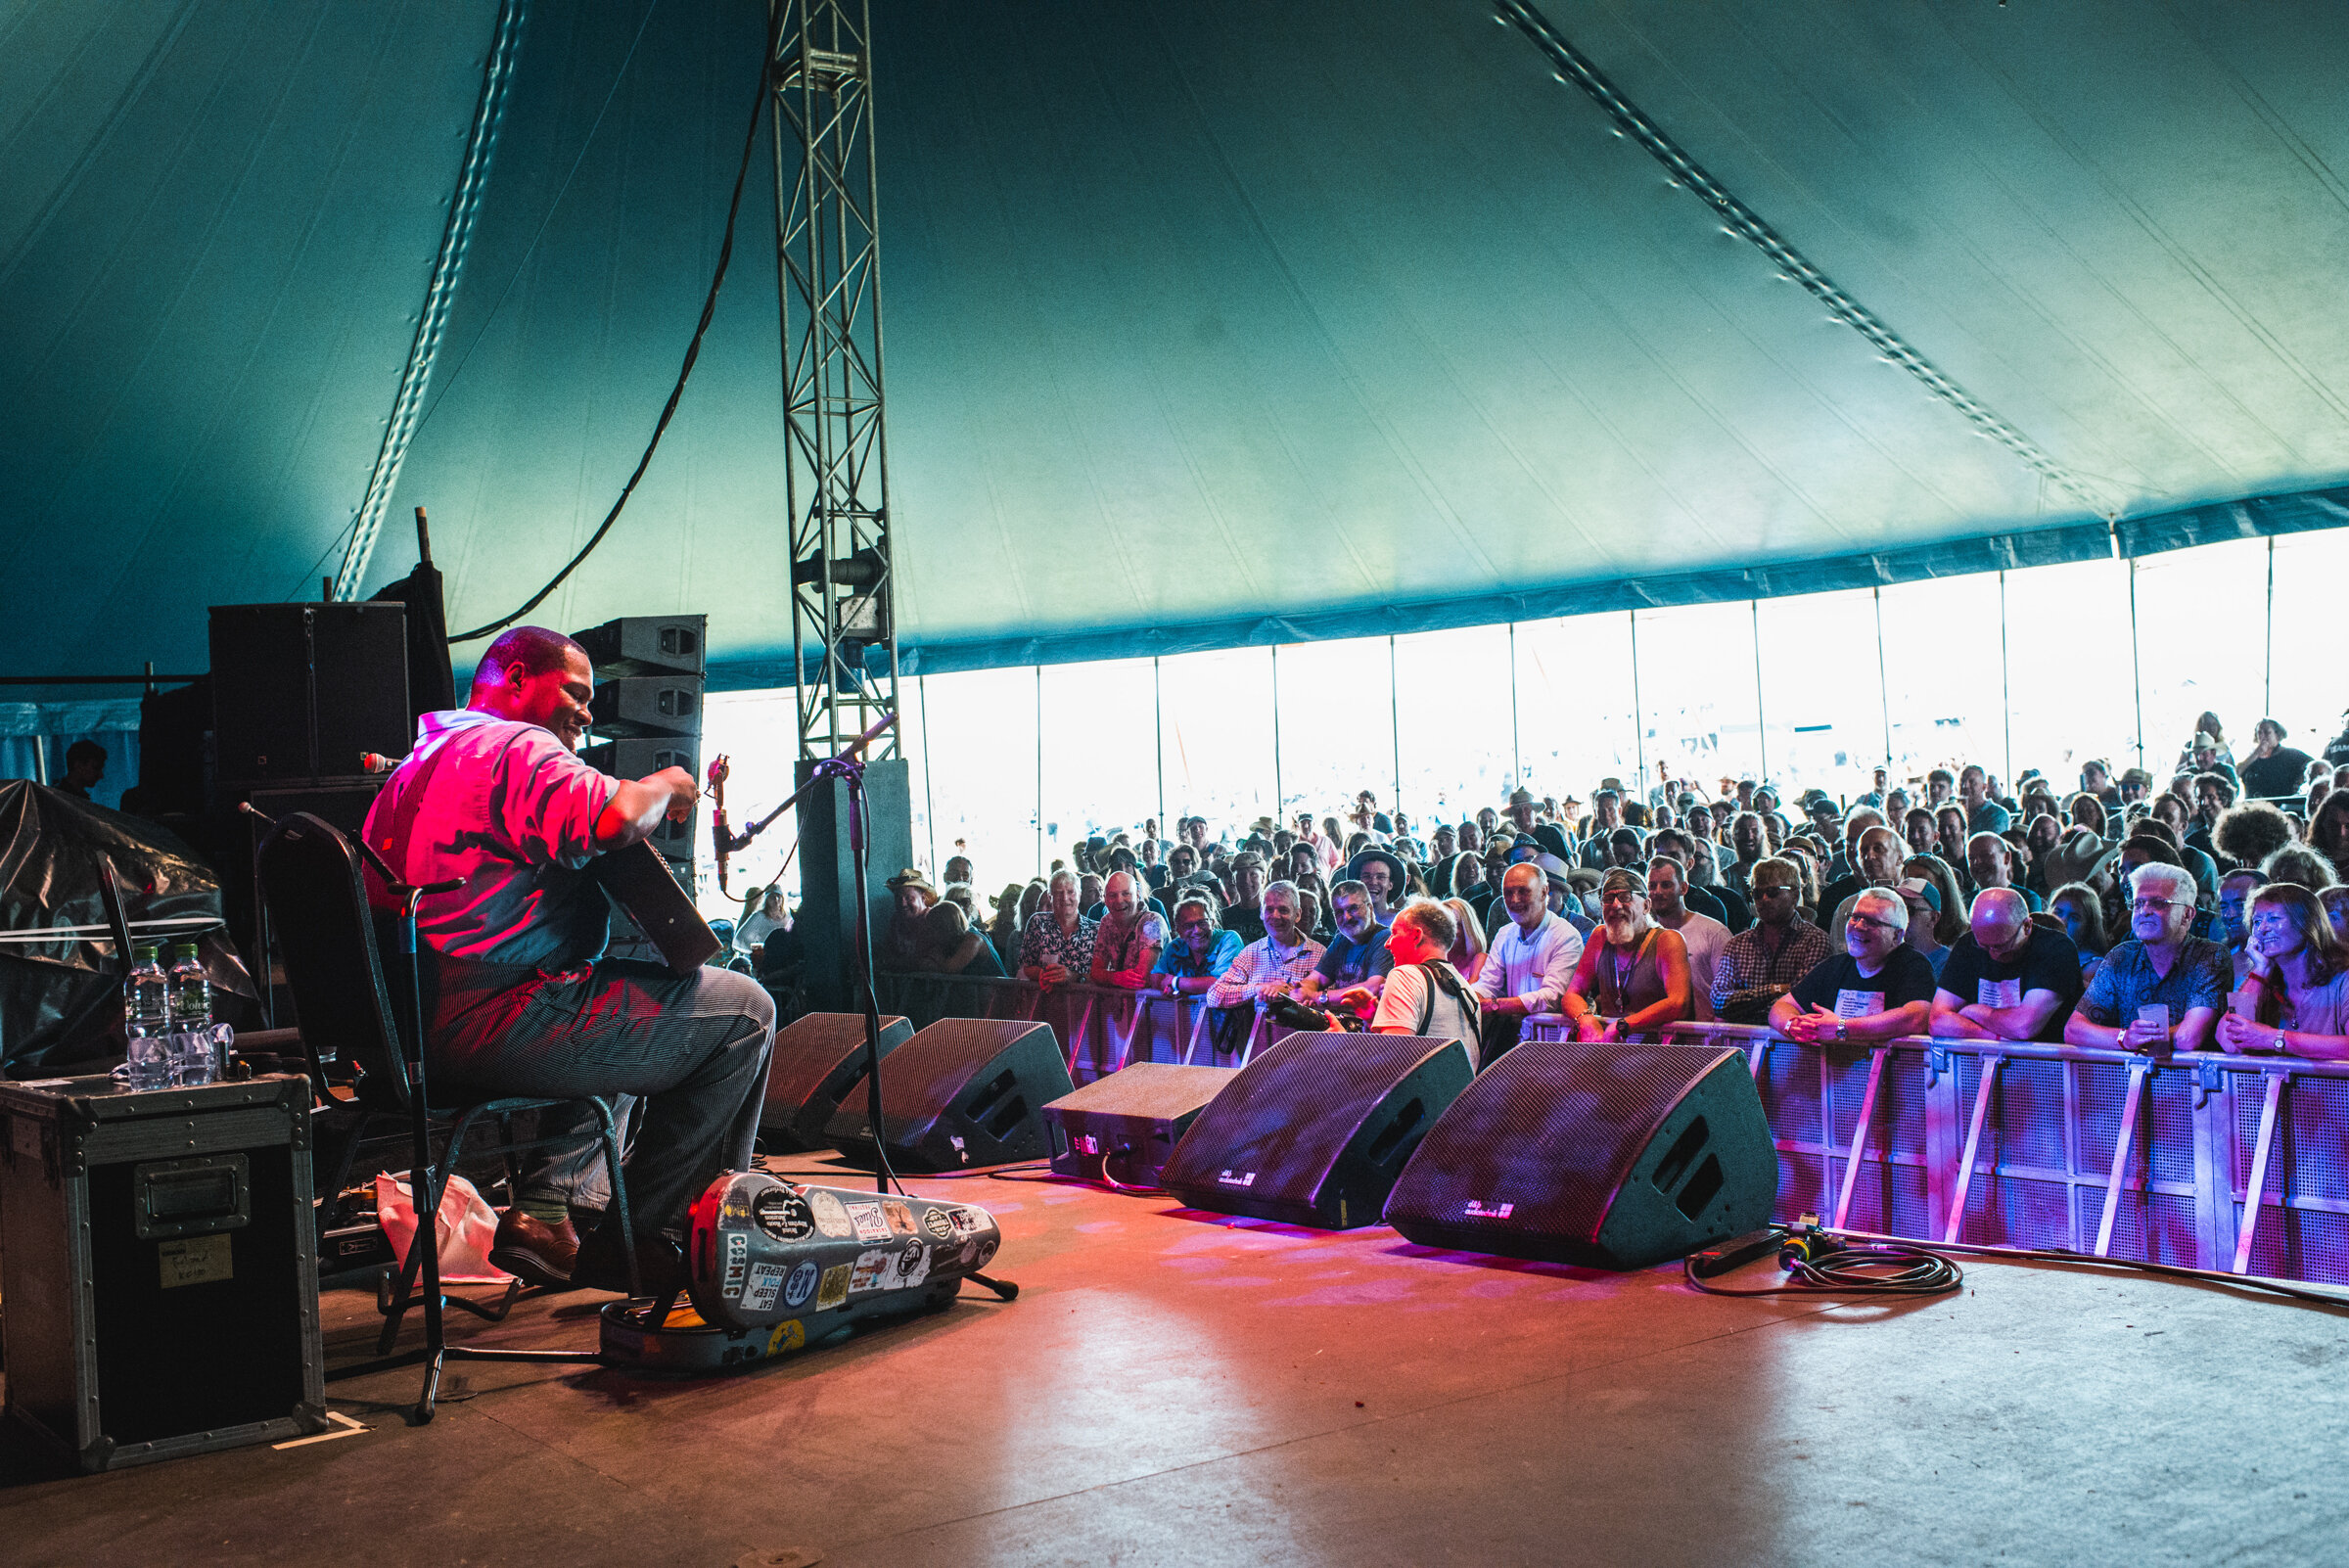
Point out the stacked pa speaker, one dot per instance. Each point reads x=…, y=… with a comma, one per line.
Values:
x=649, y=677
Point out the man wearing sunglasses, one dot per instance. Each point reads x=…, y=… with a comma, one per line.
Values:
x=2163, y=987
x=1877, y=987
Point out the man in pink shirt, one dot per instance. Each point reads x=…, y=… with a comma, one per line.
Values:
x=520, y=997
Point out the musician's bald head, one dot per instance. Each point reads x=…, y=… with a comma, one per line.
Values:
x=539, y=677
x=537, y=650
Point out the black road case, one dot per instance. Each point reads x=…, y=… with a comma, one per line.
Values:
x=159, y=1272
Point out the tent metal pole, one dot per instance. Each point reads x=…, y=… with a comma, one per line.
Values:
x=2006, y=681
x=1516, y=736
x=1157, y=732
x=1761, y=714
x=2267, y=682
x=2136, y=665
x=921, y=695
x=1883, y=682
x=1395, y=721
x=1638, y=716
x=1039, y=769
x=1280, y=801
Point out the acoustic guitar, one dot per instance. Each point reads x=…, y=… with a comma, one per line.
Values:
x=639, y=881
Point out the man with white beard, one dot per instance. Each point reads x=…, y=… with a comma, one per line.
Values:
x=1637, y=978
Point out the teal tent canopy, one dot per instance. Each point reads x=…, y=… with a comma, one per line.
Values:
x=1205, y=324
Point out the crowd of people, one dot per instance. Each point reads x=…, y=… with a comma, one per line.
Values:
x=2204, y=909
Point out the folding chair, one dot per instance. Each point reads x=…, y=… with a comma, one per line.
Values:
x=313, y=880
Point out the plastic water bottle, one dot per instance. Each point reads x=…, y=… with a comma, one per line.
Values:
x=146, y=1018
x=190, y=999
x=190, y=993
x=146, y=1005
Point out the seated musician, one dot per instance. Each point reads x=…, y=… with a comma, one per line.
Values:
x=520, y=999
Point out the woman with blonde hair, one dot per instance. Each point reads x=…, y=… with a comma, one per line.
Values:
x=1468, y=939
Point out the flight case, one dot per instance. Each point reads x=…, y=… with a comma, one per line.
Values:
x=159, y=1277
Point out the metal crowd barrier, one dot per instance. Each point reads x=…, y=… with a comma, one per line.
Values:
x=1984, y=1142
x=1100, y=1028
x=2106, y=1152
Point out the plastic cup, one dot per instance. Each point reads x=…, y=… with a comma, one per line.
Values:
x=192, y=1059
x=147, y=1065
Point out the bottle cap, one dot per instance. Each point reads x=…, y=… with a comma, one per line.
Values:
x=185, y=950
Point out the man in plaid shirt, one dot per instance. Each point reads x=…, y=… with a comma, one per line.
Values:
x=1275, y=966
x=1770, y=957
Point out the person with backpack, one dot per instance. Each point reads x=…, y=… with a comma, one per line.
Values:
x=1423, y=994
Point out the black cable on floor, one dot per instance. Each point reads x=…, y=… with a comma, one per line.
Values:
x=1824, y=1264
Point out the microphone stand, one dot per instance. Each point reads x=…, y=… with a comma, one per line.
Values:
x=848, y=767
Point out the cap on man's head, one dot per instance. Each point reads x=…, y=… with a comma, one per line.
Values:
x=1922, y=889
x=2137, y=775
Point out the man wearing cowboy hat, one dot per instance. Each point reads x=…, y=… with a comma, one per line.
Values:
x=1382, y=873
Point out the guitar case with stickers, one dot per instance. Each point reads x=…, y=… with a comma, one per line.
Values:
x=772, y=1266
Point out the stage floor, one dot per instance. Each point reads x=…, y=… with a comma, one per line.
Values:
x=1175, y=1387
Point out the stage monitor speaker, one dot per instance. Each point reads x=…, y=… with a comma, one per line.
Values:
x=1607, y=1156
x=1314, y=1131
x=648, y=706
x=963, y=1092
x=647, y=645
x=641, y=759
x=1123, y=1128
x=301, y=691
x=815, y=1059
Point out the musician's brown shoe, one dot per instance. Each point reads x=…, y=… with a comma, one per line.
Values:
x=535, y=1251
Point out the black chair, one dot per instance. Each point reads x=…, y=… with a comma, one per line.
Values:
x=328, y=939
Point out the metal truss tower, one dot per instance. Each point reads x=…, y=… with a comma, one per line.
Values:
x=828, y=255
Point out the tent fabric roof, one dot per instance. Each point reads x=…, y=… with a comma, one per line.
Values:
x=1204, y=323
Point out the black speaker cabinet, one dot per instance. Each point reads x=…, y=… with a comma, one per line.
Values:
x=648, y=707
x=1314, y=1131
x=1123, y=1128
x=641, y=759
x=1606, y=1155
x=647, y=645
x=963, y=1092
x=815, y=1059
x=828, y=903
x=161, y=1272
x=300, y=691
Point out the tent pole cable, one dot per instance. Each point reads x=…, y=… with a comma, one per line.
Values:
x=457, y=237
